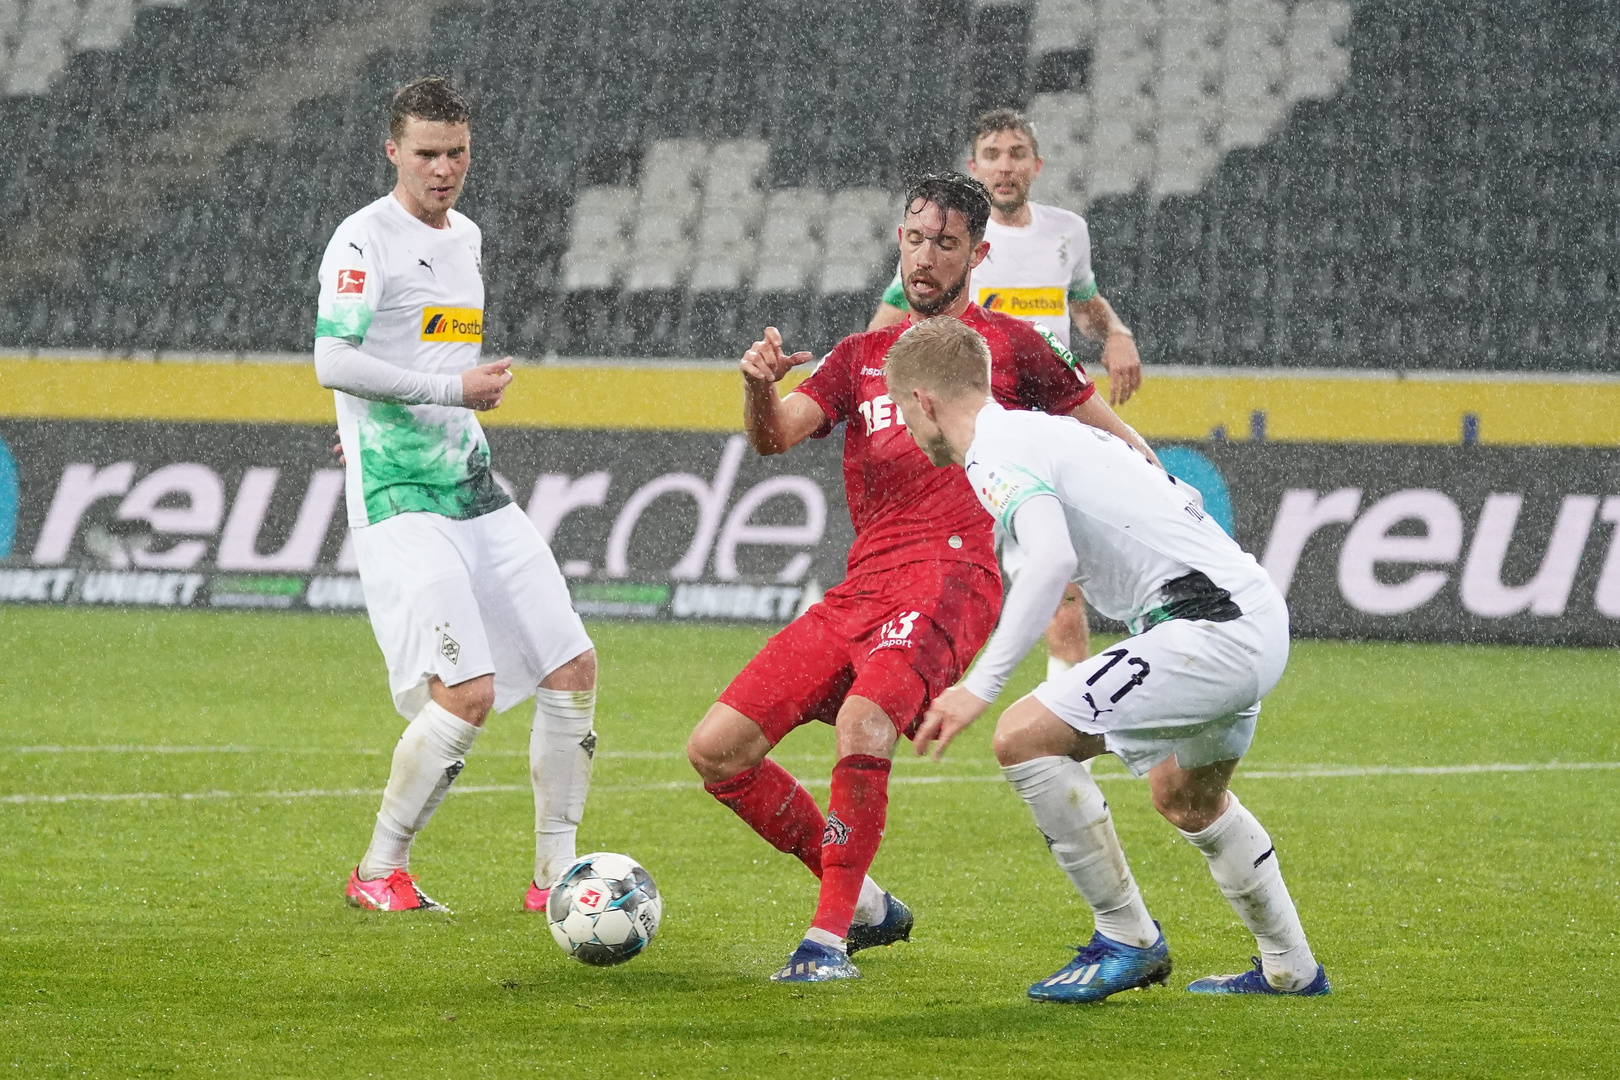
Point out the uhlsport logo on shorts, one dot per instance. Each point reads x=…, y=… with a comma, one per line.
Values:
x=452, y=324
x=1024, y=303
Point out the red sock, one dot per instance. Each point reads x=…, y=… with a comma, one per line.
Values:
x=778, y=808
x=855, y=818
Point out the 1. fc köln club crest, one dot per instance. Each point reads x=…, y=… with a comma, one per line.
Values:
x=836, y=832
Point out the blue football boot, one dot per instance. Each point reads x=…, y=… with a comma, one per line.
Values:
x=895, y=926
x=815, y=962
x=1254, y=981
x=1103, y=967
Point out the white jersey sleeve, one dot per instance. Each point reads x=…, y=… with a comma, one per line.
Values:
x=351, y=284
x=1041, y=535
x=1082, y=282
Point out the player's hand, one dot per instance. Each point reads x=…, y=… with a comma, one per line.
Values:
x=946, y=718
x=1124, y=367
x=766, y=363
x=483, y=387
x=337, y=448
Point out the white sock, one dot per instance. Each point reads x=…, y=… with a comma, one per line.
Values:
x=1056, y=667
x=561, y=746
x=427, y=759
x=1072, y=815
x=827, y=938
x=1244, y=864
x=871, y=907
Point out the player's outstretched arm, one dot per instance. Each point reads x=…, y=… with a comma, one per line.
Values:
x=1097, y=319
x=1094, y=411
x=339, y=365
x=775, y=424
x=1042, y=535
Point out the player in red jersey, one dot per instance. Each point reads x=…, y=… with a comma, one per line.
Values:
x=922, y=593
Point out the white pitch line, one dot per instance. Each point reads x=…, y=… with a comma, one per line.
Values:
x=1304, y=773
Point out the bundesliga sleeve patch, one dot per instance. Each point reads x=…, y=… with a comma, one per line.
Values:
x=351, y=282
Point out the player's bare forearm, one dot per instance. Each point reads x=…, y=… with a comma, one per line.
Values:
x=885, y=315
x=1095, y=412
x=1097, y=320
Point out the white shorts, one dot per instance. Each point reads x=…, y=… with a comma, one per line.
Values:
x=1188, y=687
x=460, y=599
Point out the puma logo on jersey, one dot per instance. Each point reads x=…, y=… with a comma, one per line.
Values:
x=452, y=324
x=879, y=413
x=428, y=264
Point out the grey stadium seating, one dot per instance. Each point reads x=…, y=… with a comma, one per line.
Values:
x=1412, y=184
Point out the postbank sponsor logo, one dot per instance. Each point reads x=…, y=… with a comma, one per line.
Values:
x=452, y=324
x=1024, y=303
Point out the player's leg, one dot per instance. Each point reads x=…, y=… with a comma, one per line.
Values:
x=540, y=647
x=800, y=675
x=562, y=747
x=1041, y=757
x=1068, y=635
x=1243, y=861
x=856, y=814
x=431, y=633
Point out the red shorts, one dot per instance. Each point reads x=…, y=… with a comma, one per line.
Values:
x=896, y=637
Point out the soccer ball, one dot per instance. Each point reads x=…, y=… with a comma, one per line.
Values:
x=605, y=909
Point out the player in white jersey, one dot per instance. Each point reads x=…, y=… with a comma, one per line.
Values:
x=465, y=598
x=1038, y=268
x=1176, y=702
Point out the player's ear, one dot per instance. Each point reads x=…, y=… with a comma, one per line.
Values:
x=391, y=148
x=980, y=250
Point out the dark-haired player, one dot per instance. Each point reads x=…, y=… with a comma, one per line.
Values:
x=1039, y=269
x=922, y=591
x=465, y=598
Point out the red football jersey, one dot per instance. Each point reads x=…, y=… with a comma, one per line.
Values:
x=904, y=508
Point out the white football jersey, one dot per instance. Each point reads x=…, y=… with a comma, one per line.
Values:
x=1034, y=272
x=1133, y=528
x=412, y=295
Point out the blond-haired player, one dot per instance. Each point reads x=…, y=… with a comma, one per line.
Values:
x=1176, y=702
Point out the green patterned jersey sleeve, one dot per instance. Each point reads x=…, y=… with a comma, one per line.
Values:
x=350, y=287
x=1081, y=291
x=895, y=294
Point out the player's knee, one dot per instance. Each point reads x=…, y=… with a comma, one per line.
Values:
x=1012, y=743
x=714, y=751
x=472, y=700
x=1187, y=808
x=578, y=674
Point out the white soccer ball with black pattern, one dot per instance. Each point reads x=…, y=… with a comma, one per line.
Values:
x=605, y=909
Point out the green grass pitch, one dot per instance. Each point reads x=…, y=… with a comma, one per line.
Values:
x=1467, y=919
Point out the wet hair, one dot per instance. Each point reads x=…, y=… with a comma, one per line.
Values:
x=998, y=120
x=953, y=191
x=943, y=355
x=427, y=98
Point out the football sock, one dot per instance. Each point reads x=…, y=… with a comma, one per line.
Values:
x=427, y=759
x=561, y=747
x=778, y=808
x=856, y=812
x=1056, y=667
x=873, y=904
x=823, y=937
x=1244, y=864
x=1073, y=816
